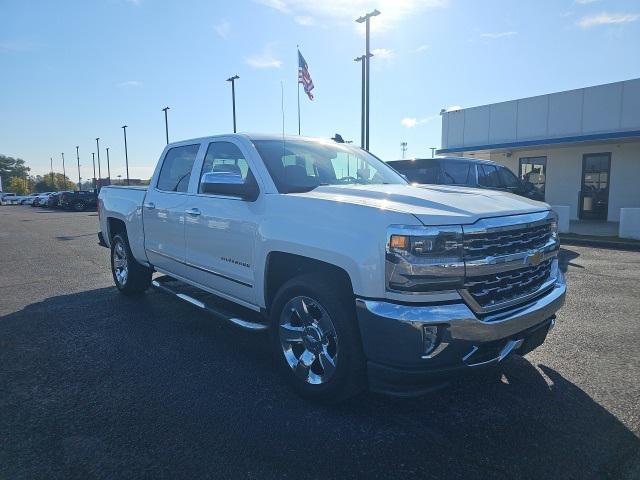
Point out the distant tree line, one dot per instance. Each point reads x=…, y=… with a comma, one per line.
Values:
x=16, y=178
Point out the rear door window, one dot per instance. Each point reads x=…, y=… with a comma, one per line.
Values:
x=456, y=173
x=176, y=168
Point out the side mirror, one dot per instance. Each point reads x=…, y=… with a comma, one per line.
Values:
x=230, y=184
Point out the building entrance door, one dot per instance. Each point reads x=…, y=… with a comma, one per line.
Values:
x=594, y=193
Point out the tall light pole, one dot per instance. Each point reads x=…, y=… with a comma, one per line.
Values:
x=98, y=148
x=403, y=148
x=108, y=167
x=51, y=160
x=366, y=20
x=64, y=172
x=433, y=151
x=166, y=123
x=233, y=98
x=362, y=107
x=79, y=177
x=95, y=185
x=126, y=154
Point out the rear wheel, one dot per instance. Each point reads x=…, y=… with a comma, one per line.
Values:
x=129, y=276
x=316, y=340
x=79, y=206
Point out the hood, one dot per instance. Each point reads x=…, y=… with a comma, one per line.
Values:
x=431, y=204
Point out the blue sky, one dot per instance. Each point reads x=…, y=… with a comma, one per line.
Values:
x=71, y=71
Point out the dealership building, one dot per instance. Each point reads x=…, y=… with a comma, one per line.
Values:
x=580, y=148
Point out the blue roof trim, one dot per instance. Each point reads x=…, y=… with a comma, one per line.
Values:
x=545, y=141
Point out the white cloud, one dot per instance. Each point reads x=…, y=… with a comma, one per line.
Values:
x=222, y=29
x=584, y=2
x=305, y=20
x=383, y=53
x=343, y=12
x=498, y=34
x=411, y=122
x=130, y=84
x=605, y=18
x=265, y=59
x=420, y=49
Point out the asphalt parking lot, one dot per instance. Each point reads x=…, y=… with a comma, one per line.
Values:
x=96, y=385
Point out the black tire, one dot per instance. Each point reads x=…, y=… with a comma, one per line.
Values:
x=79, y=206
x=349, y=376
x=137, y=278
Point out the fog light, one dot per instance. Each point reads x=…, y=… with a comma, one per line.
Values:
x=429, y=338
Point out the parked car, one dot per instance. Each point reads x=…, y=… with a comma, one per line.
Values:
x=41, y=199
x=54, y=199
x=360, y=277
x=79, y=200
x=6, y=197
x=28, y=200
x=464, y=171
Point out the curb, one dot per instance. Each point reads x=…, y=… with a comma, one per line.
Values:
x=592, y=242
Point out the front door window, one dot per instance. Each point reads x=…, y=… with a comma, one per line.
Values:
x=533, y=172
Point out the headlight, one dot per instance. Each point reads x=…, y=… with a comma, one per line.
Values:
x=424, y=259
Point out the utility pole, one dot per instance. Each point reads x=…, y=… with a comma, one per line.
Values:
x=108, y=167
x=233, y=98
x=403, y=148
x=166, y=123
x=126, y=154
x=79, y=177
x=64, y=172
x=99, y=171
x=95, y=185
x=433, y=151
x=366, y=20
x=51, y=159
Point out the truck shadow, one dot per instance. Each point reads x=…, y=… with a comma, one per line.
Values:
x=565, y=256
x=95, y=384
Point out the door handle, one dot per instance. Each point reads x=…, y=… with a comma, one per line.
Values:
x=149, y=205
x=193, y=211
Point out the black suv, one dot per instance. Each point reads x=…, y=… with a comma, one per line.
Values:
x=468, y=172
x=79, y=200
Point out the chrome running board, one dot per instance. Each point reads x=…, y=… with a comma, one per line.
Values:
x=161, y=284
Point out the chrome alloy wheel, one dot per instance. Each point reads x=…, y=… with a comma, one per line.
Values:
x=120, y=264
x=309, y=340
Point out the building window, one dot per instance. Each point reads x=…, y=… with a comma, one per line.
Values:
x=533, y=172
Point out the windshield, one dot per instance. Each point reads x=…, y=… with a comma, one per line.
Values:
x=302, y=165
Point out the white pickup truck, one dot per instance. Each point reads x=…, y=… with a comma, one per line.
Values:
x=360, y=278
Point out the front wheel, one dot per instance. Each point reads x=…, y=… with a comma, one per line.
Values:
x=79, y=206
x=129, y=276
x=316, y=339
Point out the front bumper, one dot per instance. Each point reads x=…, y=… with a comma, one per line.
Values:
x=393, y=339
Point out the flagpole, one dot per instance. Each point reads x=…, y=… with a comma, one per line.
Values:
x=298, y=48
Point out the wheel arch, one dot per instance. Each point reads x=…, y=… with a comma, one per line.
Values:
x=281, y=267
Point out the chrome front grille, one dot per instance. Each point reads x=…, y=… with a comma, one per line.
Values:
x=492, y=290
x=506, y=242
x=507, y=259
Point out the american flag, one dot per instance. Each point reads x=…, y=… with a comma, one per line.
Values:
x=303, y=76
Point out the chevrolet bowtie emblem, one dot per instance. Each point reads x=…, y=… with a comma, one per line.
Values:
x=535, y=258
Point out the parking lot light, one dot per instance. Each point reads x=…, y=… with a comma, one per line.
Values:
x=78, y=158
x=64, y=173
x=126, y=155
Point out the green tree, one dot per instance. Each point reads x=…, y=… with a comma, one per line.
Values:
x=55, y=183
x=16, y=185
x=12, y=167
